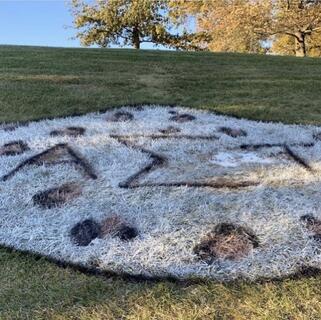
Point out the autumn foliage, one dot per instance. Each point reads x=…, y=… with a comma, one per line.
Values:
x=255, y=26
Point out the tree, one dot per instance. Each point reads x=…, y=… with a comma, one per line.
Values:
x=285, y=45
x=243, y=25
x=129, y=22
x=296, y=21
x=227, y=21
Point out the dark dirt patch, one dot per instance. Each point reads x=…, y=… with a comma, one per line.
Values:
x=84, y=232
x=13, y=148
x=69, y=131
x=234, y=133
x=56, y=197
x=181, y=118
x=172, y=112
x=121, y=116
x=170, y=130
x=227, y=242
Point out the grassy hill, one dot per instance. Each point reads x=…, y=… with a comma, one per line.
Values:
x=45, y=82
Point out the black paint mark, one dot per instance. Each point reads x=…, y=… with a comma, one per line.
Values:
x=13, y=148
x=234, y=133
x=297, y=158
x=56, y=197
x=84, y=232
x=272, y=145
x=121, y=116
x=181, y=118
x=158, y=160
x=165, y=136
x=54, y=152
x=69, y=131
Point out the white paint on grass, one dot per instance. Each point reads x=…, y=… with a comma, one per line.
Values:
x=235, y=159
x=170, y=220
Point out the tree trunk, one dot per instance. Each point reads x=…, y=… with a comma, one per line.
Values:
x=136, y=39
x=300, y=45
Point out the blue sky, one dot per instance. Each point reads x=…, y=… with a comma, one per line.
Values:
x=38, y=23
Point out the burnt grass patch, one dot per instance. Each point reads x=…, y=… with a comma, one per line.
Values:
x=84, y=232
x=121, y=116
x=58, y=154
x=183, y=117
x=14, y=148
x=57, y=197
x=234, y=133
x=226, y=242
x=69, y=131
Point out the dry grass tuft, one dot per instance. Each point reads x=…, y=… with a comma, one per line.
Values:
x=117, y=227
x=226, y=242
x=111, y=225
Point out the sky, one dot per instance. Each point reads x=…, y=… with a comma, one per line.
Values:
x=38, y=23
x=42, y=22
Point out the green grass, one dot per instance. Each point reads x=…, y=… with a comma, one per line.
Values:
x=44, y=82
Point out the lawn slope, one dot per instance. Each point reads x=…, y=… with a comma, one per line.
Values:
x=44, y=82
